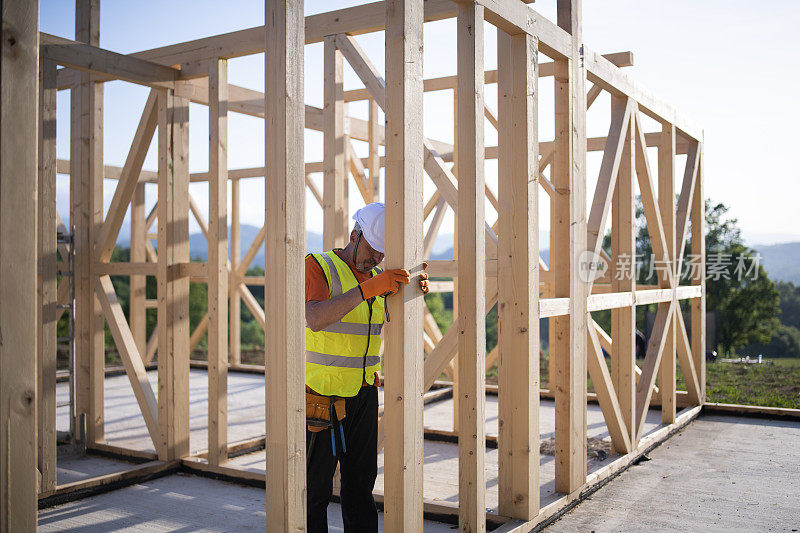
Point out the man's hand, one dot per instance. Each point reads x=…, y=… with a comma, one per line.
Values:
x=386, y=283
x=423, y=280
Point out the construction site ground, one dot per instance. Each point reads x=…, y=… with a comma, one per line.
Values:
x=718, y=473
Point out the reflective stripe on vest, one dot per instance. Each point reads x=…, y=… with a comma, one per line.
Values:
x=341, y=356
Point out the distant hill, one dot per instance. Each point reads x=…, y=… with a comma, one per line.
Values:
x=198, y=247
x=781, y=261
x=443, y=249
x=448, y=254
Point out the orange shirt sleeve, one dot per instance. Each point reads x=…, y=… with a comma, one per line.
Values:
x=316, y=284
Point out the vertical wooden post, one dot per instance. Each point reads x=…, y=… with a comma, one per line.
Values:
x=334, y=181
x=403, y=361
x=518, y=275
x=623, y=278
x=374, y=157
x=666, y=204
x=569, y=179
x=284, y=282
x=48, y=290
x=173, y=291
x=471, y=271
x=218, y=262
x=698, y=218
x=456, y=393
x=235, y=311
x=138, y=314
x=86, y=216
x=19, y=63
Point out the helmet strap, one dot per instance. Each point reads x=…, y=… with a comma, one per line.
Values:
x=355, y=248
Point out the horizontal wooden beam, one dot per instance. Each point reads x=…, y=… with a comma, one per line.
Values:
x=356, y=20
x=108, y=65
x=515, y=17
x=620, y=59
x=510, y=15
x=605, y=74
x=448, y=268
x=444, y=150
x=251, y=102
x=125, y=269
x=550, y=307
x=613, y=300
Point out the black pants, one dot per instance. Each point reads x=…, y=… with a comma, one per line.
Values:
x=359, y=467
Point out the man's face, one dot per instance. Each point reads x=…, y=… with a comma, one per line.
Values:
x=366, y=257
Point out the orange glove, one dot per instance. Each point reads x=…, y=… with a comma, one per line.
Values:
x=387, y=282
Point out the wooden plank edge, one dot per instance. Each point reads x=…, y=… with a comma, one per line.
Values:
x=237, y=448
x=752, y=411
x=445, y=435
x=120, y=453
x=201, y=468
x=97, y=485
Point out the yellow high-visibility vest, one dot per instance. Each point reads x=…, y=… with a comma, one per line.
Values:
x=342, y=356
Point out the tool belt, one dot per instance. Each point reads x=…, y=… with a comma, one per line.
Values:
x=318, y=410
x=323, y=412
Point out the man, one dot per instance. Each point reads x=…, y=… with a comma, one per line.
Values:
x=345, y=294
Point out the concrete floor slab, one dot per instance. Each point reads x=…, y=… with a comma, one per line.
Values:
x=124, y=425
x=178, y=503
x=720, y=473
x=72, y=467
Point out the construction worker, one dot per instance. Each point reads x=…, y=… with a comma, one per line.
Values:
x=345, y=298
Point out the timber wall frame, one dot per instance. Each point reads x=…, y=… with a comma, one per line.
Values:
x=497, y=263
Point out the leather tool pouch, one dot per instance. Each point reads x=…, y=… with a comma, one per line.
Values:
x=318, y=410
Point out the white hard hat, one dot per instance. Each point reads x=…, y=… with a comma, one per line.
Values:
x=371, y=219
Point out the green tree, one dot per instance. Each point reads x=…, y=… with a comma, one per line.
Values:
x=790, y=304
x=492, y=331
x=442, y=315
x=747, y=304
x=737, y=286
x=441, y=307
x=785, y=342
x=252, y=334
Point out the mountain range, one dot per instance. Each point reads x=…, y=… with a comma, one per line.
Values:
x=781, y=261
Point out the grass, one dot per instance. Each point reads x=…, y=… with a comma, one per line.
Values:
x=776, y=383
x=768, y=385
x=787, y=362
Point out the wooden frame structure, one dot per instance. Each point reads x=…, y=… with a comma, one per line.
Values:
x=497, y=263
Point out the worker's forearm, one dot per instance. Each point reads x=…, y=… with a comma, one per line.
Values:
x=320, y=315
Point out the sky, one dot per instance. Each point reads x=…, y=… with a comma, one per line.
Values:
x=728, y=65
